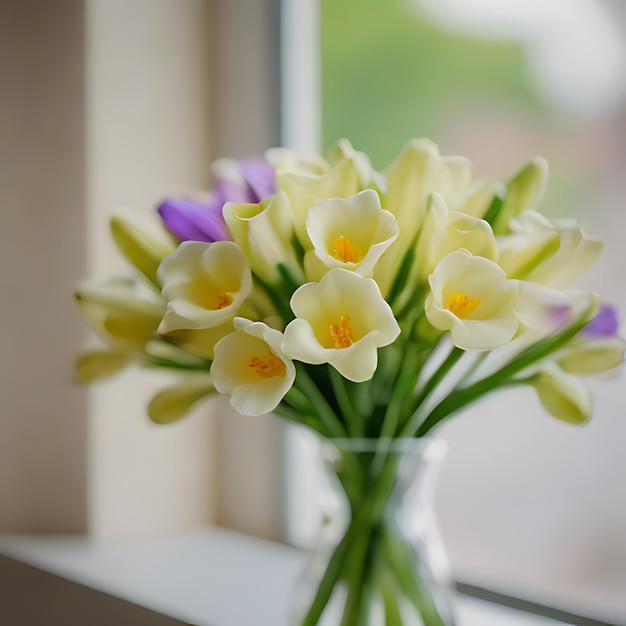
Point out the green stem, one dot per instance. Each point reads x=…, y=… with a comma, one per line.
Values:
x=351, y=419
x=428, y=388
x=329, y=579
x=355, y=574
x=328, y=417
x=279, y=299
x=404, y=384
x=408, y=578
x=503, y=377
x=156, y=361
x=298, y=400
x=298, y=417
x=391, y=593
x=367, y=510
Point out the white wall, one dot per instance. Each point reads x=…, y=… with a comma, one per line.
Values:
x=42, y=254
x=106, y=104
x=148, y=135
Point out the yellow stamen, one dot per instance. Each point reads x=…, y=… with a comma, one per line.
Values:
x=345, y=252
x=341, y=334
x=462, y=305
x=224, y=299
x=270, y=367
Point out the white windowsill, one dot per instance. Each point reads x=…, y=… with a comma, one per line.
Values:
x=207, y=576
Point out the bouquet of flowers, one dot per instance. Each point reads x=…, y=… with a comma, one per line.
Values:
x=364, y=305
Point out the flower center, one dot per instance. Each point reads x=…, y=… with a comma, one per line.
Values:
x=268, y=368
x=341, y=333
x=462, y=305
x=345, y=252
x=224, y=299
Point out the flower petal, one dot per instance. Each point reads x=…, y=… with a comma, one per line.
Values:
x=358, y=226
x=175, y=402
x=205, y=285
x=142, y=243
x=341, y=320
x=472, y=298
x=194, y=221
x=98, y=364
x=563, y=395
x=251, y=367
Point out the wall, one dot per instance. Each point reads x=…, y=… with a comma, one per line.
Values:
x=106, y=105
x=42, y=254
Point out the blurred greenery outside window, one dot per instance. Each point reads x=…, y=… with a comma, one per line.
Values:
x=399, y=69
x=390, y=73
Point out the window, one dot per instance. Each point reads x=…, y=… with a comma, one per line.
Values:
x=527, y=505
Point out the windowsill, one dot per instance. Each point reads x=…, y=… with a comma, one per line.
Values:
x=206, y=576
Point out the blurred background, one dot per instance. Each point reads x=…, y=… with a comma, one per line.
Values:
x=114, y=104
x=526, y=504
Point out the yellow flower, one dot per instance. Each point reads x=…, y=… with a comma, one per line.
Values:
x=251, y=367
x=199, y=342
x=124, y=313
x=204, y=284
x=143, y=241
x=473, y=299
x=264, y=234
x=445, y=231
x=342, y=320
x=418, y=171
x=586, y=357
x=524, y=192
x=305, y=189
x=288, y=160
x=97, y=364
x=368, y=176
x=552, y=252
x=563, y=395
x=351, y=234
x=175, y=401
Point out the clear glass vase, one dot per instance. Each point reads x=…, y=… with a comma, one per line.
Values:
x=380, y=559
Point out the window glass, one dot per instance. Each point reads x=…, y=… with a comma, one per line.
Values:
x=527, y=505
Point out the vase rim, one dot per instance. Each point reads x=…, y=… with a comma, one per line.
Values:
x=434, y=445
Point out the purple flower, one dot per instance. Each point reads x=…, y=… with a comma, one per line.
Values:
x=604, y=324
x=249, y=180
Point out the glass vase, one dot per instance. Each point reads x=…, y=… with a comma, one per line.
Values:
x=380, y=559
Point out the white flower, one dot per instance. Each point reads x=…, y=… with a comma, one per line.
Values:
x=473, y=299
x=563, y=395
x=342, y=320
x=351, y=234
x=524, y=192
x=204, y=284
x=98, y=364
x=174, y=402
x=445, y=231
x=199, y=342
x=418, y=171
x=264, y=234
x=251, y=367
x=586, y=357
x=368, y=176
x=551, y=252
x=288, y=160
x=305, y=189
x=143, y=240
x=124, y=313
